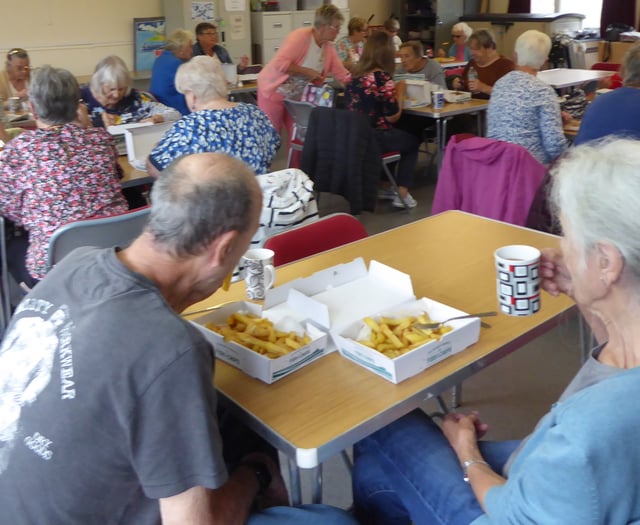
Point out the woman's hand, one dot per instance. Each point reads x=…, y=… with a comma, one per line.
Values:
x=456, y=84
x=108, y=119
x=313, y=75
x=244, y=62
x=463, y=431
x=554, y=273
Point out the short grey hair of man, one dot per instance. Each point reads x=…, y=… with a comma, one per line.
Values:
x=55, y=95
x=484, y=38
x=327, y=15
x=596, y=189
x=465, y=28
x=178, y=39
x=631, y=66
x=110, y=72
x=532, y=49
x=203, y=75
x=191, y=209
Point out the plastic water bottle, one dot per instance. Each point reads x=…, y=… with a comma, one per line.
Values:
x=472, y=74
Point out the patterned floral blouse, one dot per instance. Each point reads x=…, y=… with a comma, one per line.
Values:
x=49, y=177
x=373, y=94
x=348, y=51
x=242, y=131
x=134, y=107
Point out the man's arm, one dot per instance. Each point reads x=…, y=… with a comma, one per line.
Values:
x=228, y=505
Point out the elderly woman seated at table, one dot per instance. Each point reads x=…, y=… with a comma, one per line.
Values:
x=215, y=124
x=14, y=79
x=349, y=47
x=523, y=109
x=111, y=100
x=458, y=49
x=580, y=463
x=485, y=67
x=58, y=173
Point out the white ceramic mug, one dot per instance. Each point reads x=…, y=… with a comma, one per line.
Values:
x=518, y=279
x=259, y=272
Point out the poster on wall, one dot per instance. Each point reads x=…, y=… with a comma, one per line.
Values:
x=203, y=11
x=149, y=40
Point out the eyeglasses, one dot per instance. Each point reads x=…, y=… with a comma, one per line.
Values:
x=210, y=33
x=457, y=36
x=335, y=28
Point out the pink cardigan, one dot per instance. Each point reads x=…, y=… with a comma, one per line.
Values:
x=293, y=51
x=488, y=177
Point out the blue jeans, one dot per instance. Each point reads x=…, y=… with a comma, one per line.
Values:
x=306, y=515
x=408, y=472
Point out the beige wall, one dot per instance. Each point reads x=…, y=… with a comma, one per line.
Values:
x=74, y=34
x=381, y=8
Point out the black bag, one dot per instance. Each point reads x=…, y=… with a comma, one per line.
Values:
x=612, y=34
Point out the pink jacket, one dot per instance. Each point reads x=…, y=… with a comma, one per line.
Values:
x=488, y=177
x=293, y=51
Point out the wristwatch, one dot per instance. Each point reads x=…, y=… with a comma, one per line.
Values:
x=261, y=473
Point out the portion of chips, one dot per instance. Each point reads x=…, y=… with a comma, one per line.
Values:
x=259, y=335
x=395, y=337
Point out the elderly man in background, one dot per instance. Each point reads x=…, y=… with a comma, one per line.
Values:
x=415, y=62
x=58, y=173
x=108, y=392
x=177, y=51
x=14, y=79
x=617, y=112
x=208, y=44
x=523, y=109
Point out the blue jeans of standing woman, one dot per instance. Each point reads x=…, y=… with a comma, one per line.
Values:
x=407, y=145
x=407, y=472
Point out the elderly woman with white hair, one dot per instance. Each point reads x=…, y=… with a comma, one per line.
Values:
x=111, y=100
x=580, y=463
x=215, y=124
x=458, y=49
x=524, y=110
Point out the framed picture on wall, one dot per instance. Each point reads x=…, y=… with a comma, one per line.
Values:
x=149, y=39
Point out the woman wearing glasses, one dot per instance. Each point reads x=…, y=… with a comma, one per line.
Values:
x=306, y=55
x=459, y=49
x=207, y=44
x=14, y=80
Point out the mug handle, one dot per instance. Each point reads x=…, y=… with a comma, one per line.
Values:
x=269, y=276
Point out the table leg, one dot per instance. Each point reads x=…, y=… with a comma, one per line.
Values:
x=294, y=481
x=316, y=489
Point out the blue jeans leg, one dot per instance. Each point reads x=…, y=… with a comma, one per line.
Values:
x=407, y=472
x=303, y=515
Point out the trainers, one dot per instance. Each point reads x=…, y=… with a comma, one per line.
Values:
x=408, y=200
x=386, y=195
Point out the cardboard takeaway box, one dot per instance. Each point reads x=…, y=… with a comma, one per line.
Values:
x=336, y=299
x=139, y=138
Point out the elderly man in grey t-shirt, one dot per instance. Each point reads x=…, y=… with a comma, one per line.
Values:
x=415, y=62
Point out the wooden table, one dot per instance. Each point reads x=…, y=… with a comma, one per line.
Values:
x=562, y=78
x=132, y=177
x=474, y=106
x=332, y=403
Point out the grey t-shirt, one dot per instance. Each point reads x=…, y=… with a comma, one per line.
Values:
x=106, y=400
x=591, y=372
x=432, y=72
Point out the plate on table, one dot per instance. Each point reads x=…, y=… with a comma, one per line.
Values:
x=411, y=104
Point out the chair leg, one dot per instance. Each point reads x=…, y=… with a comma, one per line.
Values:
x=392, y=181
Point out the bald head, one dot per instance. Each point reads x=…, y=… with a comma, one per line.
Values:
x=198, y=198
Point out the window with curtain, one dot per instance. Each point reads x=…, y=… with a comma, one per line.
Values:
x=591, y=9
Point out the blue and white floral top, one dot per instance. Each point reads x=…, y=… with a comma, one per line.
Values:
x=242, y=131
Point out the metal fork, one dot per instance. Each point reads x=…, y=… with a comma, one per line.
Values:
x=427, y=326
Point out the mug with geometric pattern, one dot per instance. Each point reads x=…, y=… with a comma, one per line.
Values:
x=518, y=279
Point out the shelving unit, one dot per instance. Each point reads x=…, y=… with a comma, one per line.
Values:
x=429, y=21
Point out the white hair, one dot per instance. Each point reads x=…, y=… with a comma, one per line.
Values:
x=596, y=190
x=465, y=28
x=204, y=77
x=532, y=49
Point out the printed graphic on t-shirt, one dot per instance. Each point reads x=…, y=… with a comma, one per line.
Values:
x=26, y=360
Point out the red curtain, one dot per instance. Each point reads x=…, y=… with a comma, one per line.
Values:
x=519, y=6
x=616, y=12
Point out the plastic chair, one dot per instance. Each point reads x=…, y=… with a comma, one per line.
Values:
x=300, y=113
x=324, y=234
x=103, y=232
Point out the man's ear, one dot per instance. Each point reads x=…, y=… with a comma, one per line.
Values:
x=222, y=247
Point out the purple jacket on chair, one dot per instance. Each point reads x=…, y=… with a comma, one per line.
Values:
x=488, y=177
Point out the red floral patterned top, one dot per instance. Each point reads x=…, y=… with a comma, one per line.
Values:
x=49, y=177
x=373, y=94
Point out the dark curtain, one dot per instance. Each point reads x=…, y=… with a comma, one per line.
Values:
x=616, y=12
x=519, y=6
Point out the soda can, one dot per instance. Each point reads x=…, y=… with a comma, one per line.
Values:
x=437, y=98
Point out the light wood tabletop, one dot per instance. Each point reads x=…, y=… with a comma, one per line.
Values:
x=131, y=176
x=450, y=109
x=330, y=404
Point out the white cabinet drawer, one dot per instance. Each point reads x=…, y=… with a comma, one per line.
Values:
x=270, y=48
x=302, y=18
x=275, y=25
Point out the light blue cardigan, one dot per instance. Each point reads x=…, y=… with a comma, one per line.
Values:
x=581, y=465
